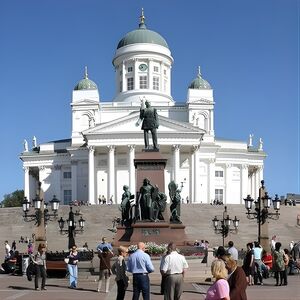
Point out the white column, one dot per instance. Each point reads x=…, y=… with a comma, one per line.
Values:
x=211, y=180
x=124, y=83
x=136, y=77
x=131, y=156
x=26, y=183
x=228, y=181
x=176, y=163
x=244, y=182
x=57, y=181
x=111, y=172
x=74, y=180
x=92, y=199
x=196, y=174
x=192, y=175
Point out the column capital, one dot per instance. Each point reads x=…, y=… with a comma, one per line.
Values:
x=111, y=148
x=176, y=147
x=26, y=169
x=91, y=148
x=131, y=147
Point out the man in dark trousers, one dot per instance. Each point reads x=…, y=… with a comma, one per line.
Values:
x=150, y=122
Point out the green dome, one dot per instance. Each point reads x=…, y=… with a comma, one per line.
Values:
x=199, y=83
x=142, y=35
x=85, y=83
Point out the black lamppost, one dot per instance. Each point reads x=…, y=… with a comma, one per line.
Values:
x=72, y=224
x=261, y=211
x=41, y=211
x=223, y=226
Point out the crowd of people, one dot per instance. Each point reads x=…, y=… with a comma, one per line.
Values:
x=231, y=276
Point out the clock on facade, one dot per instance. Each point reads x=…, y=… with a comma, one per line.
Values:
x=143, y=67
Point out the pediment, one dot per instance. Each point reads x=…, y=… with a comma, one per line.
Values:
x=127, y=124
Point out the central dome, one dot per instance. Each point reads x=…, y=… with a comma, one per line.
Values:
x=142, y=35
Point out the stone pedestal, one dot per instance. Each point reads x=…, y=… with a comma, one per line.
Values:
x=151, y=165
x=158, y=232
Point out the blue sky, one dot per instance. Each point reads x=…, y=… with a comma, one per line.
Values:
x=248, y=51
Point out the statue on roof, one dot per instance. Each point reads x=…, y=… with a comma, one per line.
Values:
x=150, y=120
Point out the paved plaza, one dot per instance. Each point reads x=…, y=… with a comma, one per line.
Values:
x=18, y=287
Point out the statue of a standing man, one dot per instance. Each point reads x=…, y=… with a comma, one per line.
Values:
x=150, y=123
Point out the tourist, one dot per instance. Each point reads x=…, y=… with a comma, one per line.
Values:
x=103, y=244
x=73, y=267
x=278, y=263
x=248, y=264
x=173, y=268
x=220, y=289
x=233, y=251
x=257, y=252
x=237, y=279
x=119, y=269
x=105, y=256
x=40, y=267
x=163, y=276
x=7, y=250
x=139, y=264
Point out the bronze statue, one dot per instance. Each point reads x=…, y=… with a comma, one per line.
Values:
x=150, y=123
x=125, y=204
x=174, y=193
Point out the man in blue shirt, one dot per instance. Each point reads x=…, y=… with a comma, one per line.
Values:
x=139, y=264
x=103, y=244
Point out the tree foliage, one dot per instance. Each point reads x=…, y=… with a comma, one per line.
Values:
x=14, y=199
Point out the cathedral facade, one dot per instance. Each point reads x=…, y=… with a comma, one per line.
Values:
x=98, y=158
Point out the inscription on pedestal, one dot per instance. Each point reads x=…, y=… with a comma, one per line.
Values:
x=148, y=231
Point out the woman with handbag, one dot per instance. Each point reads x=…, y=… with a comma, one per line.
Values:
x=104, y=268
x=73, y=258
x=40, y=267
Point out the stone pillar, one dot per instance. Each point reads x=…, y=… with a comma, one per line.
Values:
x=196, y=174
x=74, y=179
x=136, y=77
x=111, y=172
x=57, y=180
x=131, y=156
x=26, y=183
x=124, y=83
x=243, y=182
x=228, y=180
x=211, y=180
x=176, y=163
x=92, y=199
x=191, y=175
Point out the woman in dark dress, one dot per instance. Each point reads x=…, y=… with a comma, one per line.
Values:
x=248, y=264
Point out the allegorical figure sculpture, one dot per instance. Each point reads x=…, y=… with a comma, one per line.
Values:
x=150, y=123
x=174, y=193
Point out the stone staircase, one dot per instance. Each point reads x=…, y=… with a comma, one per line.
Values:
x=196, y=217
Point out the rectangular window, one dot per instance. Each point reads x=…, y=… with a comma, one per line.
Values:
x=219, y=174
x=156, y=83
x=143, y=82
x=67, y=197
x=67, y=175
x=130, y=84
x=155, y=69
x=218, y=196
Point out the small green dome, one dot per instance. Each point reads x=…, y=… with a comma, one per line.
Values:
x=142, y=35
x=85, y=83
x=199, y=83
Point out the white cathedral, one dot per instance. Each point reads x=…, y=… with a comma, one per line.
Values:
x=98, y=159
